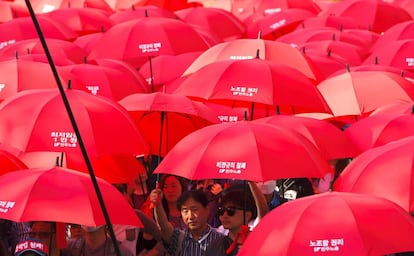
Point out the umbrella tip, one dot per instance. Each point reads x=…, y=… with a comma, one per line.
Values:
x=376, y=60
x=329, y=52
x=333, y=37
x=412, y=109
x=245, y=116
x=257, y=54
x=341, y=27
x=402, y=73
x=259, y=35
x=303, y=49
x=277, y=110
x=69, y=84
x=16, y=54
x=85, y=60
x=146, y=13
x=348, y=69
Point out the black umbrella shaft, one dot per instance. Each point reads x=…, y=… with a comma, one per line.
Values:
x=75, y=127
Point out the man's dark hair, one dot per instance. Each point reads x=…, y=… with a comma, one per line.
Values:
x=240, y=196
x=196, y=195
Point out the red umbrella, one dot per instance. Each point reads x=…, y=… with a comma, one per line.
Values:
x=244, y=150
x=127, y=70
x=44, y=6
x=164, y=119
x=276, y=52
x=304, y=35
x=19, y=75
x=137, y=40
x=58, y=48
x=82, y=20
x=337, y=22
x=244, y=82
x=159, y=68
x=350, y=53
x=333, y=223
x=88, y=42
x=395, y=54
x=223, y=24
x=35, y=120
x=172, y=5
x=23, y=28
x=328, y=138
x=400, y=31
x=378, y=130
x=244, y=8
x=100, y=80
x=394, y=109
x=351, y=93
x=385, y=171
x=61, y=195
x=277, y=24
x=141, y=12
x=11, y=10
x=374, y=15
x=10, y=162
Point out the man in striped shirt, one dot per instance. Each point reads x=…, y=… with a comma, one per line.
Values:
x=199, y=234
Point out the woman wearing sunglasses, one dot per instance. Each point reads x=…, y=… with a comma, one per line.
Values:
x=237, y=207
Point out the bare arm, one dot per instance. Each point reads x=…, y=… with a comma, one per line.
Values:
x=160, y=215
x=259, y=199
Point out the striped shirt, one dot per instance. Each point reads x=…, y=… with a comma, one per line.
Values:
x=191, y=247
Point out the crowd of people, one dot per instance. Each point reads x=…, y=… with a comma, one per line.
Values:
x=180, y=217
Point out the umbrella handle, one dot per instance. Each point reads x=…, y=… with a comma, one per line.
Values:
x=152, y=205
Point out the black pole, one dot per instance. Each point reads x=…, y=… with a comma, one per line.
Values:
x=75, y=127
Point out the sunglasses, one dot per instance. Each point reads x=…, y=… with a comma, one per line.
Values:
x=230, y=210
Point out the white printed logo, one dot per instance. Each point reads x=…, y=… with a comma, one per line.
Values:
x=5, y=206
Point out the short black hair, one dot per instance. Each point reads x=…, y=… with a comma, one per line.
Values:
x=196, y=195
x=240, y=196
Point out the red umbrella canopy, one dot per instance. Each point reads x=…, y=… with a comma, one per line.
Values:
x=378, y=130
x=10, y=162
x=100, y=80
x=275, y=25
x=36, y=120
x=244, y=48
x=253, y=151
x=396, y=54
x=351, y=93
x=328, y=138
x=223, y=24
x=23, y=28
x=11, y=10
x=82, y=20
x=333, y=223
x=158, y=71
x=137, y=40
x=234, y=82
x=44, y=6
x=304, y=35
x=399, y=31
x=61, y=195
x=390, y=166
x=244, y=8
x=58, y=48
x=18, y=75
x=374, y=15
x=141, y=12
x=164, y=119
x=172, y=5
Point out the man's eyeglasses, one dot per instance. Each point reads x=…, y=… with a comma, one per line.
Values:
x=230, y=210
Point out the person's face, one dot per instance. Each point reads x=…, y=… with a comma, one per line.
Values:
x=172, y=189
x=194, y=214
x=231, y=216
x=42, y=231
